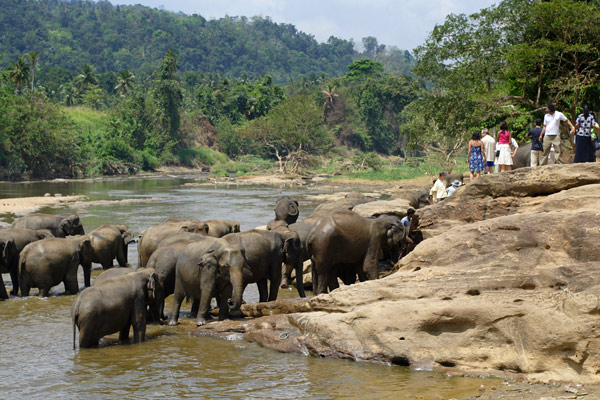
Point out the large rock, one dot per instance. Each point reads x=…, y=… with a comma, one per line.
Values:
x=513, y=294
x=346, y=204
x=380, y=207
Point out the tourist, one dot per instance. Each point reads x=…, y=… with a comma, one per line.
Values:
x=585, y=150
x=550, y=135
x=409, y=243
x=438, y=191
x=455, y=185
x=536, y=144
x=489, y=145
x=476, y=155
x=505, y=156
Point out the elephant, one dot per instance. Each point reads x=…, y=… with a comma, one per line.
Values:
x=286, y=210
x=303, y=229
x=151, y=238
x=207, y=268
x=346, y=244
x=12, y=242
x=47, y=262
x=115, y=304
x=265, y=252
x=60, y=226
x=164, y=261
x=110, y=242
x=219, y=228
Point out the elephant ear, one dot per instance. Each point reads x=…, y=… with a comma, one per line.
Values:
x=151, y=286
x=65, y=226
x=209, y=260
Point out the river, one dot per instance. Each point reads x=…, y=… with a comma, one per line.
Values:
x=36, y=340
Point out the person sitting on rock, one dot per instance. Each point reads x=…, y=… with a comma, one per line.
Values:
x=438, y=191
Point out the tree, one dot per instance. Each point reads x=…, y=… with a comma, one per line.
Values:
x=19, y=73
x=291, y=130
x=86, y=77
x=34, y=57
x=363, y=69
x=125, y=81
x=168, y=96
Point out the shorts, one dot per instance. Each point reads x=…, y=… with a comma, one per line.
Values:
x=489, y=163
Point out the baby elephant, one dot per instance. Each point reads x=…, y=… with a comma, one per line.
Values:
x=114, y=305
x=48, y=262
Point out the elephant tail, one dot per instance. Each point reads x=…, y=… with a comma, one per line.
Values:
x=75, y=318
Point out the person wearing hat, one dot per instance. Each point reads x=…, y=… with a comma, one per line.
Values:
x=455, y=185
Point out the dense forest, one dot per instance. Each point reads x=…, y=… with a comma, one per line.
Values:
x=90, y=88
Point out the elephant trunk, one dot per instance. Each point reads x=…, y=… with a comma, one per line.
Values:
x=237, y=283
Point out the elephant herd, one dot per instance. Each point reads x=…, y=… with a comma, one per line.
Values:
x=193, y=259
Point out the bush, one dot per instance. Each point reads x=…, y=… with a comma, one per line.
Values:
x=201, y=156
x=146, y=160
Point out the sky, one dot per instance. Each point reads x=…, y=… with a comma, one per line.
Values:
x=401, y=23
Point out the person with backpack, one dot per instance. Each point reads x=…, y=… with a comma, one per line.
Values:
x=536, y=143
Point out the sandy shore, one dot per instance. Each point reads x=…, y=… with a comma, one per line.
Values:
x=26, y=205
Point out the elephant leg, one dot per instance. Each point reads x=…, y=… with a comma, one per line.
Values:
x=87, y=274
x=223, y=299
x=124, y=333
x=121, y=258
x=86, y=340
x=14, y=277
x=107, y=265
x=70, y=281
x=24, y=286
x=195, y=307
x=332, y=282
x=262, y=290
x=320, y=275
x=299, y=278
x=138, y=321
x=44, y=292
x=3, y=294
x=178, y=297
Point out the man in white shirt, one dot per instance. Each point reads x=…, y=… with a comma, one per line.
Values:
x=551, y=133
x=489, y=145
x=438, y=191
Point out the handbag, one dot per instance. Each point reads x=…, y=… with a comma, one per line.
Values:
x=497, y=153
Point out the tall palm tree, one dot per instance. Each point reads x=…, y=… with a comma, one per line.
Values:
x=86, y=77
x=34, y=57
x=70, y=94
x=329, y=96
x=124, y=82
x=19, y=73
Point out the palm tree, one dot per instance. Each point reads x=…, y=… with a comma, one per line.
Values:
x=124, y=82
x=70, y=94
x=19, y=73
x=86, y=77
x=34, y=57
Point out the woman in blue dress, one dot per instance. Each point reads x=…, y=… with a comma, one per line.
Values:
x=476, y=155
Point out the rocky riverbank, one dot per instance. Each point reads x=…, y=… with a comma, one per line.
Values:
x=507, y=285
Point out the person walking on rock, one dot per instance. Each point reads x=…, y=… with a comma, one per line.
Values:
x=489, y=145
x=536, y=144
x=584, y=145
x=550, y=135
x=438, y=191
x=476, y=155
x=505, y=158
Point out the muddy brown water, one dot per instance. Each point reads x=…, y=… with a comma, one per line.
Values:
x=36, y=334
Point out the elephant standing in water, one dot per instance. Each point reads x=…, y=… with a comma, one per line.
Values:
x=12, y=242
x=207, y=268
x=346, y=244
x=164, y=261
x=115, y=304
x=46, y=263
x=110, y=242
x=152, y=237
x=60, y=226
x=265, y=252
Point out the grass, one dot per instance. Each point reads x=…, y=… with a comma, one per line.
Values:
x=88, y=119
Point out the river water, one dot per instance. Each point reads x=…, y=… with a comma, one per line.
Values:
x=38, y=360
